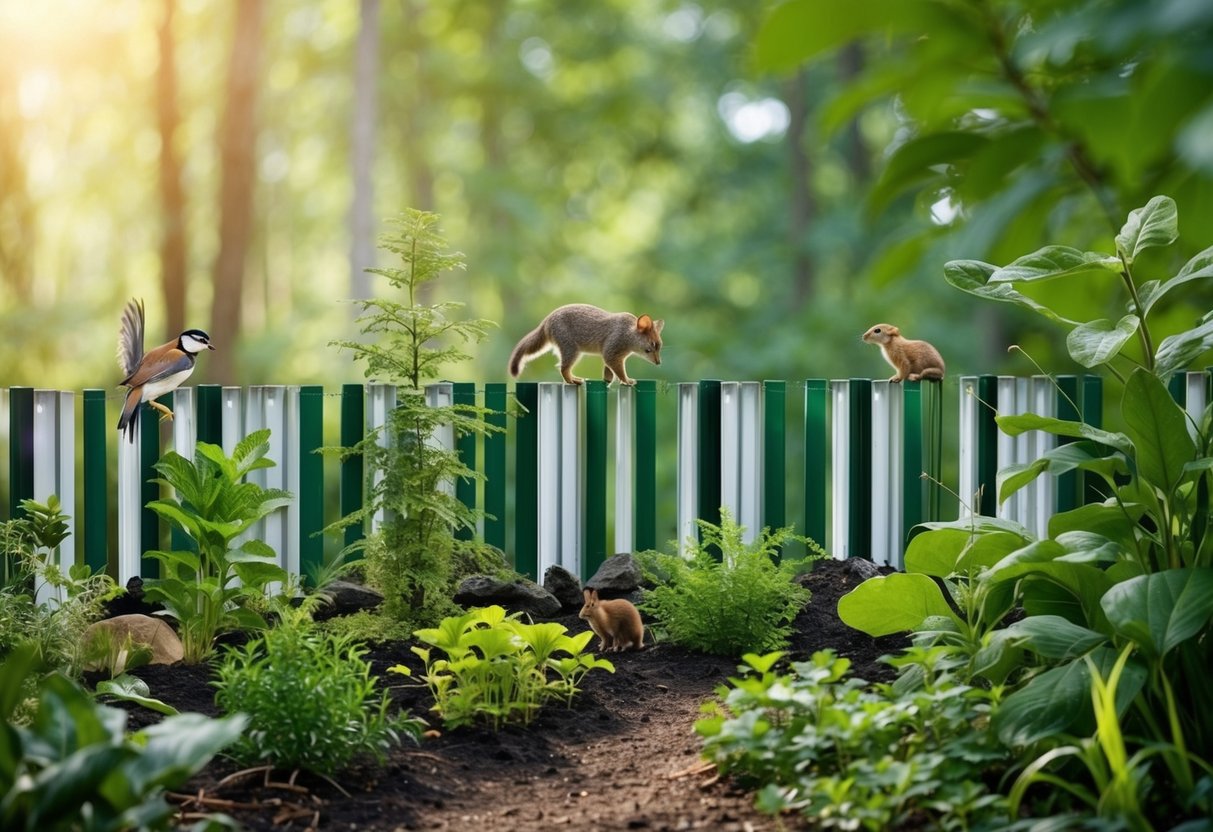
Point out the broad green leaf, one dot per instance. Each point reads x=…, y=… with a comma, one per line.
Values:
x=916, y=160
x=945, y=552
x=1014, y=477
x=1018, y=423
x=133, y=689
x=1108, y=519
x=973, y=276
x=1054, y=637
x=1042, y=560
x=979, y=524
x=1155, y=224
x=1177, y=352
x=1098, y=342
x=1052, y=262
x=894, y=603
x=1088, y=547
x=179, y=746
x=1162, y=610
x=1198, y=268
x=1158, y=429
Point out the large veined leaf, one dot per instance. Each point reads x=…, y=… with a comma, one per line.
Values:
x=1176, y=352
x=1159, y=431
x=1108, y=519
x=1098, y=342
x=1054, y=637
x=894, y=603
x=1015, y=424
x=1155, y=224
x=945, y=552
x=1198, y=268
x=1162, y=610
x=973, y=276
x=916, y=160
x=1052, y=262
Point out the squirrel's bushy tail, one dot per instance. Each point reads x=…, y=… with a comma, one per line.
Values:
x=531, y=345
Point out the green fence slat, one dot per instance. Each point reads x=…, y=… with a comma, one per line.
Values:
x=1067, y=410
x=495, y=466
x=1177, y=386
x=644, y=464
x=96, y=483
x=987, y=445
x=709, y=453
x=914, y=454
x=594, y=529
x=208, y=401
x=311, y=478
x=464, y=393
x=774, y=454
x=149, y=455
x=932, y=443
x=816, y=444
x=20, y=448
x=1092, y=414
x=526, y=480
x=859, y=486
x=353, y=429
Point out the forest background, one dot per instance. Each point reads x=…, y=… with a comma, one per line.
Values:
x=771, y=179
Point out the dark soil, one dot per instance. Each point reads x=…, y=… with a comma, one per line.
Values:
x=623, y=757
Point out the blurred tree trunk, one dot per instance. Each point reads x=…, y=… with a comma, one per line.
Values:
x=172, y=194
x=237, y=145
x=18, y=235
x=362, y=222
x=801, y=205
x=859, y=158
x=417, y=166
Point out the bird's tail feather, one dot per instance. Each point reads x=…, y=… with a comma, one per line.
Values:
x=130, y=414
x=130, y=337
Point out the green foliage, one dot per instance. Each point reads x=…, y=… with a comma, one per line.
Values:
x=492, y=667
x=310, y=700
x=74, y=768
x=742, y=601
x=853, y=757
x=416, y=558
x=207, y=587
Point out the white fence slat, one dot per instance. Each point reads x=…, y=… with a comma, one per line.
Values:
x=1006, y=447
x=550, y=446
x=572, y=492
x=381, y=401
x=273, y=417
x=749, y=460
x=290, y=463
x=1197, y=400
x=840, y=479
x=730, y=448
x=625, y=471
x=130, y=501
x=1044, y=403
x=688, y=464
x=882, y=429
x=52, y=447
x=442, y=395
x=1025, y=498
x=967, y=442
x=232, y=420
x=185, y=426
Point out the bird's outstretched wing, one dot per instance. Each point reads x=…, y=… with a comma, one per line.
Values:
x=130, y=338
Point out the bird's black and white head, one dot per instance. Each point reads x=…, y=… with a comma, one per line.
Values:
x=194, y=341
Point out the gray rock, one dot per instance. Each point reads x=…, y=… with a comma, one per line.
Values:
x=516, y=596
x=860, y=568
x=564, y=585
x=618, y=575
x=347, y=598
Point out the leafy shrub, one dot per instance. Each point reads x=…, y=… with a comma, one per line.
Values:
x=310, y=699
x=74, y=768
x=416, y=558
x=743, y=601
x=207, y=588
x=494, y=667
x=849, y=756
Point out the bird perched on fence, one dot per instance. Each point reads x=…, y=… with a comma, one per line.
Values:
x=152, y=374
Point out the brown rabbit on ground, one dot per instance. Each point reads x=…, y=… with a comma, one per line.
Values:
x=616, y=623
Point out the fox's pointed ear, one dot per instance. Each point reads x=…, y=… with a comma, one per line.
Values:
x=658, y=325
x=644, y=323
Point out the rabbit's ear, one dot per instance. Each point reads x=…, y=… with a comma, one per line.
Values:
x=588, y=594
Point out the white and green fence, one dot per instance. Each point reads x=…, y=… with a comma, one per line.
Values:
x=852, y=463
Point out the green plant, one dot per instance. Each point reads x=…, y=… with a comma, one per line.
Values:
x=416, y=557
x=742, y=601
x=494, y=667
x=310, y=700
x=74, y=768
x=207, y=587
x=850, y=756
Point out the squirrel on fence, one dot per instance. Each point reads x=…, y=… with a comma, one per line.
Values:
x=913, y=360
x=581, y=328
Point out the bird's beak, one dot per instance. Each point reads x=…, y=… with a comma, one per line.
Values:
x=210, y=346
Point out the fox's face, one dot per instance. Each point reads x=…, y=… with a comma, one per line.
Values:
x=648, y=332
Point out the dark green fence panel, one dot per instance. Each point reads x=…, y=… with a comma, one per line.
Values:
x=859, y=478
x=987, y=445
x=209, y=403
x=96, y=483
x=20, y=448
x=149, y=455
x=494, y=466
x=594, y=528
x=774, y=454
x=816, y=445
x=913, y=440
x=353, y=429
x=311, y=478
x=1092, y=414
x=464, y=393
x=932, y=448
x=709, y=452
x=1067, y=410
x=526, y=480
x=645, y=465
x=1177, y=385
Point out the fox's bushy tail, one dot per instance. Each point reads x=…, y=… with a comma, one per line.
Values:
x=531, y=345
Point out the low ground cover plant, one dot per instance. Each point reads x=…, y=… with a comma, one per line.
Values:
x=740, y=600
x=208, y=587
x=486, y=666
x=310, y=699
